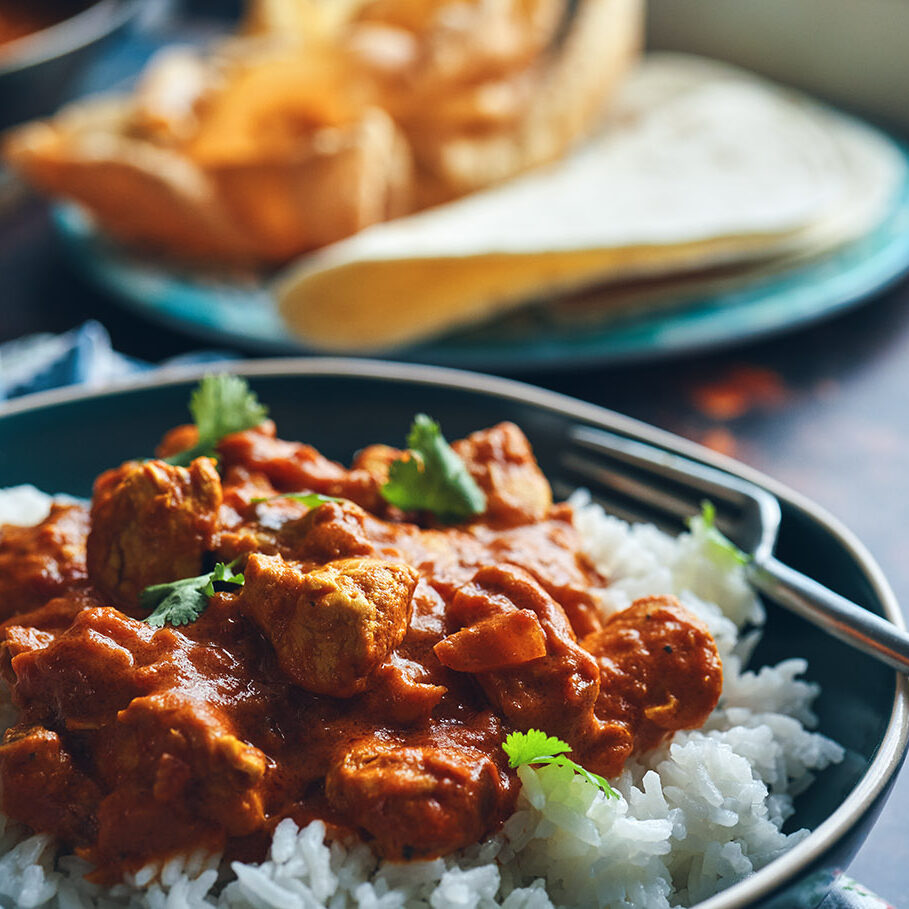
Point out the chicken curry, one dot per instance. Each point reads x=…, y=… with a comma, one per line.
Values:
x=354, y=661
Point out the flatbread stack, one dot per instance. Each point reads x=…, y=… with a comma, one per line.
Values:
x=701, y=168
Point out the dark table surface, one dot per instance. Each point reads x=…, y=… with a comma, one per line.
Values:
x=823, y=409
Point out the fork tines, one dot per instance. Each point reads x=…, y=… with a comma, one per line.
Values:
x=640, y=482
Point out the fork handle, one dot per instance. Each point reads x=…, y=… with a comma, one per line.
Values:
x=836, y=615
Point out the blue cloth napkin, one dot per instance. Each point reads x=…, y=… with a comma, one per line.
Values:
x=85, y=356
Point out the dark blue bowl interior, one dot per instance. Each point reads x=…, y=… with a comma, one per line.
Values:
x=61, y=448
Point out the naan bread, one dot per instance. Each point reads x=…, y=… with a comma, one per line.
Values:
x=701, y=165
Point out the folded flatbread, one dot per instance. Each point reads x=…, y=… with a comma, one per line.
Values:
x=700, y=165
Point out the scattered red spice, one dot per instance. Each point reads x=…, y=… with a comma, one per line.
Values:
x=720, y=440
x=742, y=389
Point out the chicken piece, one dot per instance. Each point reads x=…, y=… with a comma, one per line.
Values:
x=151, y=523
x=295, y=467
x=555, y=692
x=552, y=552
x=19, y=639
x=40, y=562
x=310, y=535
x=499, y=642
x=43, y=788
x=85, y=675
x=377, y=460
x=501, y=461
x=251, y=515
x=135, y=830
x=35, y=630
x=177, y=779
x=161, y=721
x=403, y=692
x=659, y=671
x=182, y=750
x=179, y=439
x=334, y=626
x=333, y=530
x=56, y=615
x=418, y=802
x=549, y=551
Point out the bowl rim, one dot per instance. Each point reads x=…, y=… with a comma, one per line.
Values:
x=97, y=20
x=889, y=755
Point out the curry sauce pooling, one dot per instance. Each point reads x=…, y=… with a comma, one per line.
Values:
x=366, y=672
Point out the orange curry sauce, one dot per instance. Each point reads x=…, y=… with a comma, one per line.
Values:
x=367, y=672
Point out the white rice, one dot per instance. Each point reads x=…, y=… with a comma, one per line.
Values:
x=695, y=815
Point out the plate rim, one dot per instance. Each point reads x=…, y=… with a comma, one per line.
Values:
x=761, y=310
x=885, y=763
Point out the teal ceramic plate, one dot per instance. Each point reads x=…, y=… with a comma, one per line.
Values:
x=241, y=313
x=339, y=404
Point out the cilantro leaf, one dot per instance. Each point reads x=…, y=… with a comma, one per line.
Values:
x=223, y=574
x=182, y=602
x=432, y=477
x=309, y=499
x=593, y=778
x=526, y=747
x=535, y=747
x=723, y=549
x=220, y=405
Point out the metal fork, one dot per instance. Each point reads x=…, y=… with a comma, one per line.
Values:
x=639, y=482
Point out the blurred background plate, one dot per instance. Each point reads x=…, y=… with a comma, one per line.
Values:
x=720, y=310
x=706, y=312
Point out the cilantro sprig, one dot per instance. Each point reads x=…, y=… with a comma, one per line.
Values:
x=536, y=747
x=309, y=499
x=182, y=602
x=220, y=405
x=432, y=477
x=722, y=548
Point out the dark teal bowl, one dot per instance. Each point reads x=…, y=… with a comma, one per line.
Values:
x=38, y=72
x=61, y=440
